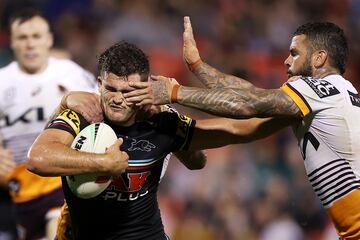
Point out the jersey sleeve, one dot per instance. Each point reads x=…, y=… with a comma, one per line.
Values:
x=310, y=94
x=69, y=121
x=179, y=127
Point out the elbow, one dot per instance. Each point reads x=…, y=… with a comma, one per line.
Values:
x=199, y=166
x=36, y=161
x=199, y=162
x=196, y=167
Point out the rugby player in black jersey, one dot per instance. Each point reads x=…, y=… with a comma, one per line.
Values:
x=128, y=208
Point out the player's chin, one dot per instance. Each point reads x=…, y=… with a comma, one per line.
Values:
x=115, y=116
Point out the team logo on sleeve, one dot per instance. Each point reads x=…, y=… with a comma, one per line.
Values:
x=71, y=118
x=184, y=123
x=354, y=98
x=321, y=87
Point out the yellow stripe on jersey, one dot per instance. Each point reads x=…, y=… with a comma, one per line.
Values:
x=71, y=118
x=345, y=214
x=31, y=185
x=305, y=109
x=184, y=123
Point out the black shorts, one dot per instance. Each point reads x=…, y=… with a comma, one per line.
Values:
x=7, y=217
x=31, y=215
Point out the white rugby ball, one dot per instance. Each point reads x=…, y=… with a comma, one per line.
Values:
x=95, y=138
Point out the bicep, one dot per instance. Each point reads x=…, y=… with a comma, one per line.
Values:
x=48, y=146
x=50, y=136
x=274, y=103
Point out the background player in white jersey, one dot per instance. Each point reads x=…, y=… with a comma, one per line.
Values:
x=31, y=87
x=321, y=105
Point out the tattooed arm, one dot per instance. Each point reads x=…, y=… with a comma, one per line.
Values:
x=239, y=103
x=228, y=95
x=209, y=76
x=212, y=78
x=227, y=102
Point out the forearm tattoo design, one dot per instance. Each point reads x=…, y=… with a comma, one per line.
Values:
x=212, y=78
x=240, y=103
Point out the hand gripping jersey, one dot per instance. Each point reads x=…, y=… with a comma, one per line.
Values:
x=128, y=208
x=26, y=102
x=329, y=140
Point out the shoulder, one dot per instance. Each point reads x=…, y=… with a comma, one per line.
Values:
x=315, y=87
x=70, y=121
x=9, y=76
x=72, y=74
x=11, y=68
x=63, y=63
x=171, y=120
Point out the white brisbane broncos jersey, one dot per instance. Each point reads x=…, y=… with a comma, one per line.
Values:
x=28, y=100
x=329, y=139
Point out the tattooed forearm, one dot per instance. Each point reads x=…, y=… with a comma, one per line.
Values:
x=212, y=78
x=239, y=103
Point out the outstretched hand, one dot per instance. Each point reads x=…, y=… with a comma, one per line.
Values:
x=190, y=51
x=7, y=165
x=156, y=91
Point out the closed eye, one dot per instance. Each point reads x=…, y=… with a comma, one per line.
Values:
x=110, y=89
x=293, y=53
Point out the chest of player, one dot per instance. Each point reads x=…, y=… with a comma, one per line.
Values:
x=147, y=150
x=146, y=146
x=31, y=104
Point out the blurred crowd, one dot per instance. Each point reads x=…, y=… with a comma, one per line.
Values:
x=247, y=192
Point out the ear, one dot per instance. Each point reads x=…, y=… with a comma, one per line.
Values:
x=50, y=40
x=319, y=58
x=99, y=82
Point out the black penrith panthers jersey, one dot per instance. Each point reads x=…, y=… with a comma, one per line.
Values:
x=128, y=209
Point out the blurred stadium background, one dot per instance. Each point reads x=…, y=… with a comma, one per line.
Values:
x=247, y=192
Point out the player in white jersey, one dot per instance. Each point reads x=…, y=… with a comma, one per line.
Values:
x=31, y=87
x=321, y=105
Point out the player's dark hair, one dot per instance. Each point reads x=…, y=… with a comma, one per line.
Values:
x=123, y=59
x=329, y=37
x=25, y=14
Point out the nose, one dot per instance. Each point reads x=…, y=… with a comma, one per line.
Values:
x=118, y=99
x=287, y=61
x=30, y=43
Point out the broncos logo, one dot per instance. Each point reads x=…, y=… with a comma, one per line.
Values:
x=141, y=145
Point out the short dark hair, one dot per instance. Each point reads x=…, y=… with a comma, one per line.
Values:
x=25, y=14
x=330, y=37
x=124, y=59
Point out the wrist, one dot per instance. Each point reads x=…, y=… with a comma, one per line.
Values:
x=174, y=93
x=195, y=64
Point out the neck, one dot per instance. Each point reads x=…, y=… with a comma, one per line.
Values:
x=126, y=123
x=34, y=71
